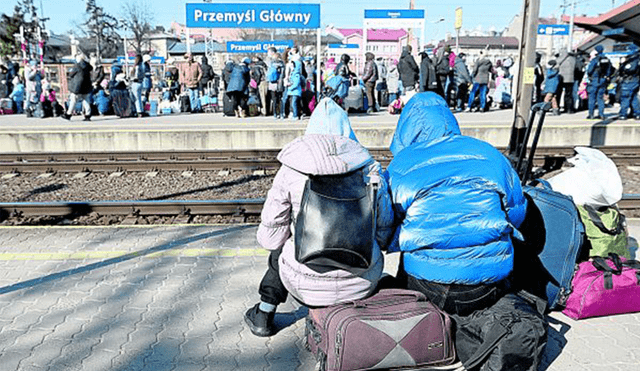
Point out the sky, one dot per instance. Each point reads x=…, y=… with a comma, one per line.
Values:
x=340, y=13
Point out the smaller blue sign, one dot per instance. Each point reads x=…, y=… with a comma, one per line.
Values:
x=553, y=29
x=344, y=46
x=257, y=46
x=613, y=31
x=154, y=60
x=394, y=14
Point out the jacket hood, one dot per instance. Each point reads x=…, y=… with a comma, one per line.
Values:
x=369, y=56
x=324, y=154
x=329, y=145
x=404, y=54
x=329, y=118
x=424, y=119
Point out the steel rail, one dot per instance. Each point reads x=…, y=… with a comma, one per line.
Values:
x=215, y=159
x=163, y=207
x=245, y=207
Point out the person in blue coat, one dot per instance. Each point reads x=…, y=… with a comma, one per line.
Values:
x=238, y=87
x=599, y=72
x=459, y=204
x=551, y=85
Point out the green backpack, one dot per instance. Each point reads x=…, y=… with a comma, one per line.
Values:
x=605, y=231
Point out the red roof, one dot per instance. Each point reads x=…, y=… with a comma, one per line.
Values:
x=375, y=34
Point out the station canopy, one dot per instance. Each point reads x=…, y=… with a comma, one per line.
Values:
x=621, y=24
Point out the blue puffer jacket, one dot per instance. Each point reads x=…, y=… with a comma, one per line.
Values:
x=458, y=198
x=552, y=81
x=239, y=79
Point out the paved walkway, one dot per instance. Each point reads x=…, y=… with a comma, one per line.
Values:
x=173, y=298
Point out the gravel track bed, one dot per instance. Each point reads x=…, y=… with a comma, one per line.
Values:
x=136, y=186
x=200, y=185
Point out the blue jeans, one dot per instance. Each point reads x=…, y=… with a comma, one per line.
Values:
x=629, y=98
x=136, y=90
x=193, y=98
x=483, y=95
x=285, y=96
x=596, y=93
x=295, y=99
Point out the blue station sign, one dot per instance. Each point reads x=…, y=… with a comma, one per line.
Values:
x=264, y=15
x=257, y=46
x=394, y=14
x=344, y=46
x=553, y=29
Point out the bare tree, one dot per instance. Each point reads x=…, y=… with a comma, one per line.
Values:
x=101, y=27
x=137, y=16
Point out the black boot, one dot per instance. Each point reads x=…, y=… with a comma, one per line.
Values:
x=260, y=323
x=87, y=118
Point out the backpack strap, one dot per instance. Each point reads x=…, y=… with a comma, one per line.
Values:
x=498, y=331
x=597, y=221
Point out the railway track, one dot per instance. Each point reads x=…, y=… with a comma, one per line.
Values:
x=215, y=160
x=239, y=208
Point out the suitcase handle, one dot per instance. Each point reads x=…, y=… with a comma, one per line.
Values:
x=385, y=294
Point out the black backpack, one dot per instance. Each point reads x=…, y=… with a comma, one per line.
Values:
x=336, y=224
x=509, y=335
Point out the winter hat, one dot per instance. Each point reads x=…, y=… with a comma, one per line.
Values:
x=552, y=63
x=146, y=58
x=329, y=118
x=599, y=48
x=246, y=60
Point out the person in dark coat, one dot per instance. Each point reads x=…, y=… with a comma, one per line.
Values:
x=538, y=71
x=461, y=80
x=369, y=78
x=238, y=88
x=630, y=83
x=428, y=78
x=599, y=71
x=80, y=88
x=551, y=84
x=207, y=75
x=567, y=69
x=481, y=76
x=408, y=69
x=442, y=70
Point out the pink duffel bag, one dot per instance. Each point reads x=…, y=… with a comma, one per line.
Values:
x=604, y=286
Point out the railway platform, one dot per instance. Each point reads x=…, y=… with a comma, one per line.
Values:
x=214, y=131
x=173, y=298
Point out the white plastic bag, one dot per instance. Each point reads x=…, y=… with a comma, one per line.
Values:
x=594, y=180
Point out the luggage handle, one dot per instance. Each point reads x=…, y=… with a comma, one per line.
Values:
x=597, y=221
x=391, y=292
x=601, y=265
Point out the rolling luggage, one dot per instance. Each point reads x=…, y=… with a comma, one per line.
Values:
x=227, y=107
x=544, y=262
x=6, y=106
x=603, y=287
x=553, y=238
x=392, y=329
x=185, y=103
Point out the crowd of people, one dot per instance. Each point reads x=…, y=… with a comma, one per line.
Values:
x=582, y=82
x=283, y=84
